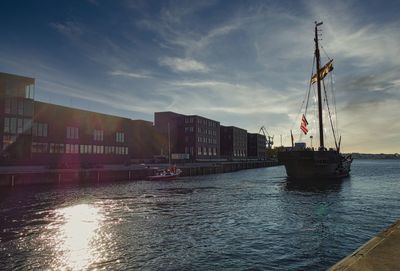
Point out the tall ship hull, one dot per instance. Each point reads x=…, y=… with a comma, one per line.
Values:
x=309, y=164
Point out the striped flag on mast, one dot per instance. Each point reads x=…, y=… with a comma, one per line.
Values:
x=303, y=125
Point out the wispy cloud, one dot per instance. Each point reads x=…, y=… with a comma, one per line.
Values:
x=130, y=74
x=70, y=29
x=183, y=64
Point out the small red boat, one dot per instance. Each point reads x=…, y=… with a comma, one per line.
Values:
x=168, y=174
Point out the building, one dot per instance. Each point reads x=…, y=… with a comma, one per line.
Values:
x=233, y=143
x=147, y=144
x=16, y=116
x=34, y=132
x=201, y=138
x=192, y=137
x=68, y=136
x=256, y=144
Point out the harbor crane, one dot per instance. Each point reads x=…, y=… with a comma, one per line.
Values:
x=270, y=139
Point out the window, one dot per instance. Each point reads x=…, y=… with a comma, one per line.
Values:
x=120, y=137
x=39, y=147
x=20, y=107
x=98, y=135
x=6, y=125
x=72, y=132
x=198, y=150
x=39, y=129
x=13, y=125
x=57, y=148
x=27, y=126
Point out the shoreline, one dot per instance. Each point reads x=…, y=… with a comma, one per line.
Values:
x=29, y=175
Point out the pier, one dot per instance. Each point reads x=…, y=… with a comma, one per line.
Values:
x=381, y=253
x=20, y=175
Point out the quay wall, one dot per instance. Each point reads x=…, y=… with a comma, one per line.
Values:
x=17, y=176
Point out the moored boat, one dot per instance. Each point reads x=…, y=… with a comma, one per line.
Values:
x=306, y=163
x=167, y=174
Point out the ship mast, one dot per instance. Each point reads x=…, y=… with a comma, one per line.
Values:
x=317, y=57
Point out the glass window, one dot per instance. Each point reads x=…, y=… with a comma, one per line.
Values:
x=44, y=129
x=19, y=126
x=72, y=132
x=120, y=137
x=20, y=107
x=39, y=129
x=6, y=125
x=67, y=148
x=27, y=126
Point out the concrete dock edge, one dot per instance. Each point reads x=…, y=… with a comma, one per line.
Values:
x=381, y=253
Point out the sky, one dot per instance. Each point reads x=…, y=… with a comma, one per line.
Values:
x=243, y=63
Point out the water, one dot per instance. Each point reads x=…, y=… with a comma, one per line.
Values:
x=247, y=220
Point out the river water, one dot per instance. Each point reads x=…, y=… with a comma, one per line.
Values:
x=247, y=220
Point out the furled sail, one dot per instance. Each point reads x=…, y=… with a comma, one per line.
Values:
x=323, y=71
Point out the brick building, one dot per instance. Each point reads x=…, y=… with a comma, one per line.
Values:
x=16, y=116
x=233, y=142
x=256, y=146
x=191, y=136
x=69, y=136
x=34, y=132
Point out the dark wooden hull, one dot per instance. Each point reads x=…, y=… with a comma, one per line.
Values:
x=308, y=164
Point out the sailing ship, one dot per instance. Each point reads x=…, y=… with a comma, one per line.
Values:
x=306, y=163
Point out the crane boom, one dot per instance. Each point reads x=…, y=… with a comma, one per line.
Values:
x=269, y=139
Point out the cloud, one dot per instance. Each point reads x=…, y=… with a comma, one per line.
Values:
x=183, y=64
x=130, y=74
x=70, y=29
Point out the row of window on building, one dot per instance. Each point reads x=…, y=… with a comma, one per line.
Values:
x=206, y=140
x=201, y=121
x=17, y=125
x=206, y=131
x=55, y=148
x=239, y=153
x=207, y=122
x=24, y=126
x=206, y=151
x=190, y=129
x=20, y=107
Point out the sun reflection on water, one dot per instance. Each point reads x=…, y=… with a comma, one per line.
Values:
x=78, y=241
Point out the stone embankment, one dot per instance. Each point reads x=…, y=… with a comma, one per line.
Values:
x=18, y=175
